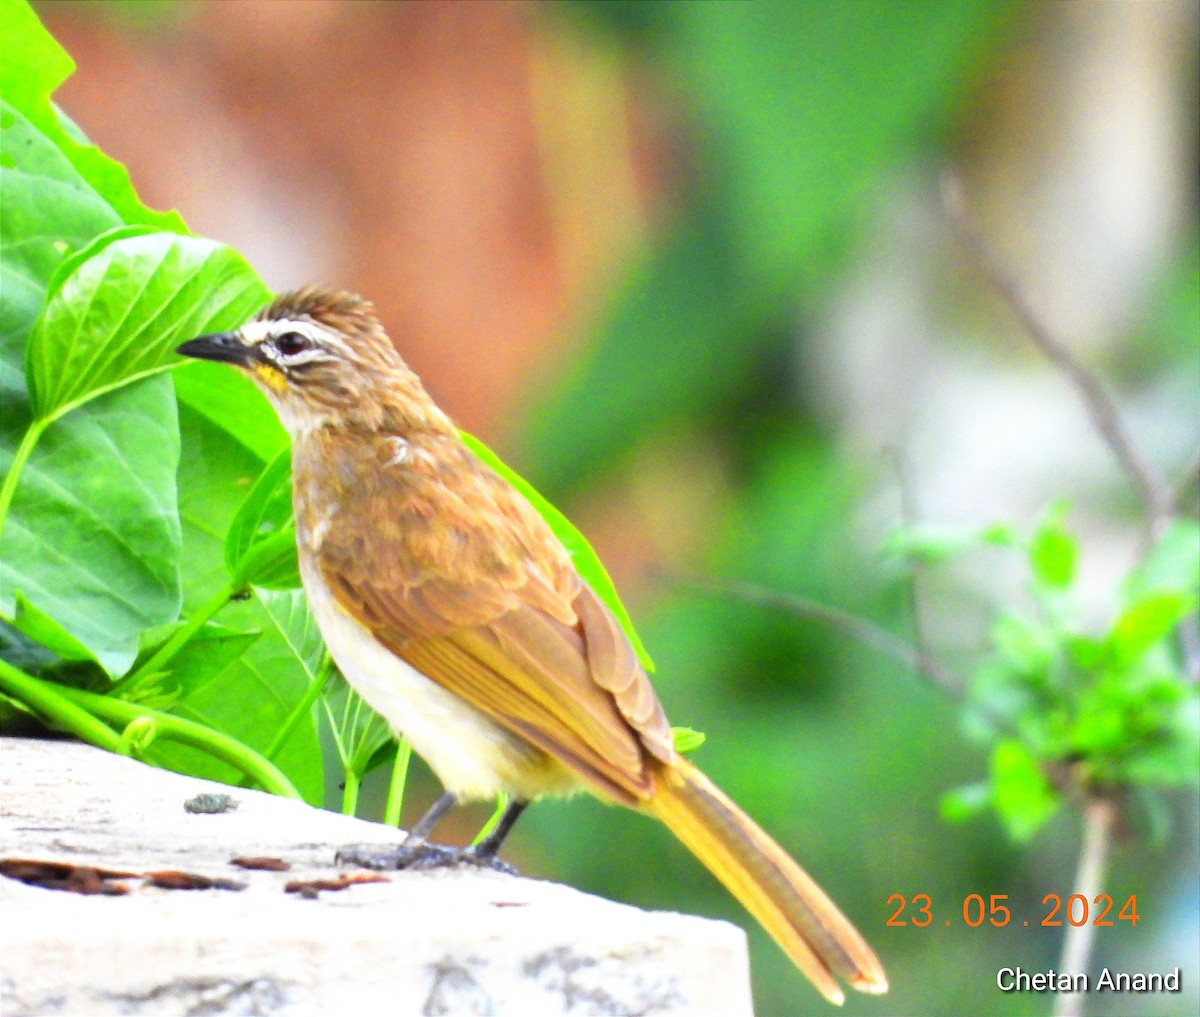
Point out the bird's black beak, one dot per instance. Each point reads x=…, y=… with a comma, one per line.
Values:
x=226, y=347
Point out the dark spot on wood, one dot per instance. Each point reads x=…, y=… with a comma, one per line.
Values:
x=261, y=863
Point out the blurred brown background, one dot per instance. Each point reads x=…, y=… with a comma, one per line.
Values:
x=398, y=149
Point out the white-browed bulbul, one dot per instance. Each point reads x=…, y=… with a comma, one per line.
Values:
x=449, y=605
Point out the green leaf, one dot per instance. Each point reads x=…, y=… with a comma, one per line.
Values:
x=928, y=545
x=359, y=733
x=965, y=802
x=253, y=695
x=47, y=632
x=198, y=662
x=260, y=547
x=1021, y=795
x=32, y=66
x=585, y=559
x=120, y=314
x=271, y=562
x=232, y=402
x=214, y=476
x=56, y=191
x=1173, y=563
x=1053, y=553
x=92, y=538
x=1145, y=622
x=47, y=211
x=687, y=739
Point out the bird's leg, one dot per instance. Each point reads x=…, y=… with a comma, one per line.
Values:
x=487, y=849
x=418, y=853
x=480, y=856
x=424, y=826
x=415, y=852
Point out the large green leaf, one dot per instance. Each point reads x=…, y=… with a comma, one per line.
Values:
x=252, y=696
x=215, y=476
x=56, y=191
x=47, y=211
x=32, y=66
x=94, y=515
x=92, y=537
x=120, y=314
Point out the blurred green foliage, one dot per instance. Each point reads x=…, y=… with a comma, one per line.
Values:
x=1068, y=713
x=802, y=110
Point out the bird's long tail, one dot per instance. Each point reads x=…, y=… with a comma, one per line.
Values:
x=774, y=889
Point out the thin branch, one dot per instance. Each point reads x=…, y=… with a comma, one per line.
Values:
x=858, y=629
x=1155, y=496
x=927, y=662
x=1099, y=818
x=1188, y=477
x=1189, y=628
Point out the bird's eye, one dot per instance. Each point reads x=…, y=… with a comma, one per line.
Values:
x=292, y=343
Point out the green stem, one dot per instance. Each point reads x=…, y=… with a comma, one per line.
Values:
x=179, y=639
x=395, y=798
x=350, y=793
x=46, y=700
x=490, y=825
x=32, y=434
x=312, y=693
x=187, y=732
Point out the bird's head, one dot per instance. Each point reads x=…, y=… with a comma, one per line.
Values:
x=320, y=356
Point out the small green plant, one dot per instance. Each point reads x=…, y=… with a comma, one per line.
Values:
x=1069, y=713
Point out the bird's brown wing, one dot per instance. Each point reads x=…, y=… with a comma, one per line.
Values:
x=530, y=645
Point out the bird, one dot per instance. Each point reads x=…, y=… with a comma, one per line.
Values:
x=448, y=603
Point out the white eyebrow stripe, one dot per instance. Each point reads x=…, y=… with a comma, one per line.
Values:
x=254, y=333
x=296, y=359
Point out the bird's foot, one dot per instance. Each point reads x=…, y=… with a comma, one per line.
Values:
x=419, y=854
